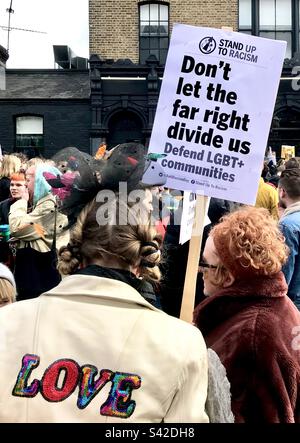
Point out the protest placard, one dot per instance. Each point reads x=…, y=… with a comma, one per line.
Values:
x=215, y=110
x=287, y=152
x=188, y=217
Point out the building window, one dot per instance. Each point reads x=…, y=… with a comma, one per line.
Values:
x=154, y=31
x=245, y=16
x=276, y=19
x=29, y=134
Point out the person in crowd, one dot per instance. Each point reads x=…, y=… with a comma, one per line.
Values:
x=267, y=197
x=292, y=163
x=270, y=171
x=216, y=210
x=152, y=367
x=289, y=200
x=281, y=163
x=24, y=160
x=280, y=167
x=270, y=157
x=35, y=161
x=17, y=187
x=218, y=402
x=7, y=286
x=274, y=177
x=265, y=171
x=39, y=229
x=10, y=165
x=247, y=318
x=159, y=219
x=174, y=266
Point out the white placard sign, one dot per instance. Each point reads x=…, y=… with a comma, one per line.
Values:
x=215, y=110
x=188, y=216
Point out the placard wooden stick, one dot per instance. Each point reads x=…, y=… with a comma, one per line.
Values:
x=188, y=298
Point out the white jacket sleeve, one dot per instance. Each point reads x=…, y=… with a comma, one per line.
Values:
x=188, y=404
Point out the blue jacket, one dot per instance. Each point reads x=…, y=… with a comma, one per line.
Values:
x=290, y=227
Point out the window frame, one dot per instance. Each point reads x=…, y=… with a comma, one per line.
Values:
x=147, y=44
x=39, y=147
x=294, y=31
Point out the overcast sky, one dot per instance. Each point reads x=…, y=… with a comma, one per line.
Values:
x=65, y=21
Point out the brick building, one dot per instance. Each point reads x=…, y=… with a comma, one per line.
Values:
x=116, y=100
x=42, y=111
x=128, y=46
x=129, y=41
x=280, y=20
x=116, y=26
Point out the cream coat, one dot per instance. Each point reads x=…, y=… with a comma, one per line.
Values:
x=105, y=323
x=43, y=214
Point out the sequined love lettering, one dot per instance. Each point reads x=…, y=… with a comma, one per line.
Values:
x=118, y=403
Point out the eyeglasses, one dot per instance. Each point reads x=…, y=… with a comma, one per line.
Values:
x=204, y=266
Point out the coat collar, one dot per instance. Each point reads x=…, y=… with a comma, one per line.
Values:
x=242, y=294
x=294, y=207
x=44, y=199
x=99, y=287
x=258, y=286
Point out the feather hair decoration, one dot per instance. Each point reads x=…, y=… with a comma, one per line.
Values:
x=100, y=152
x=125, y=163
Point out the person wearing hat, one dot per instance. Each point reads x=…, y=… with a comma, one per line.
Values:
x=93, y=349
x=247, y=318
x=7, y=286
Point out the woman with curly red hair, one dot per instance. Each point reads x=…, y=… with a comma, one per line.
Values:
x=247, y=318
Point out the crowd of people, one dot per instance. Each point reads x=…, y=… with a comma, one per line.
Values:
x=90, y=303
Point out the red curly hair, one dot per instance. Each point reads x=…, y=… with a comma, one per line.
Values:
x=249, y=242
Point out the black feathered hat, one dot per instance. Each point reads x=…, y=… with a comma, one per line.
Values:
x=83, y=176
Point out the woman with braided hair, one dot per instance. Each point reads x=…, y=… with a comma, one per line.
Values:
x=93, y=349
x=114, y=244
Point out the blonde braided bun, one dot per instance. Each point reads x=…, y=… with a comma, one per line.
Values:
x=70, y=257
x=116, y=232
x=150, y=259
x=68, y=260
